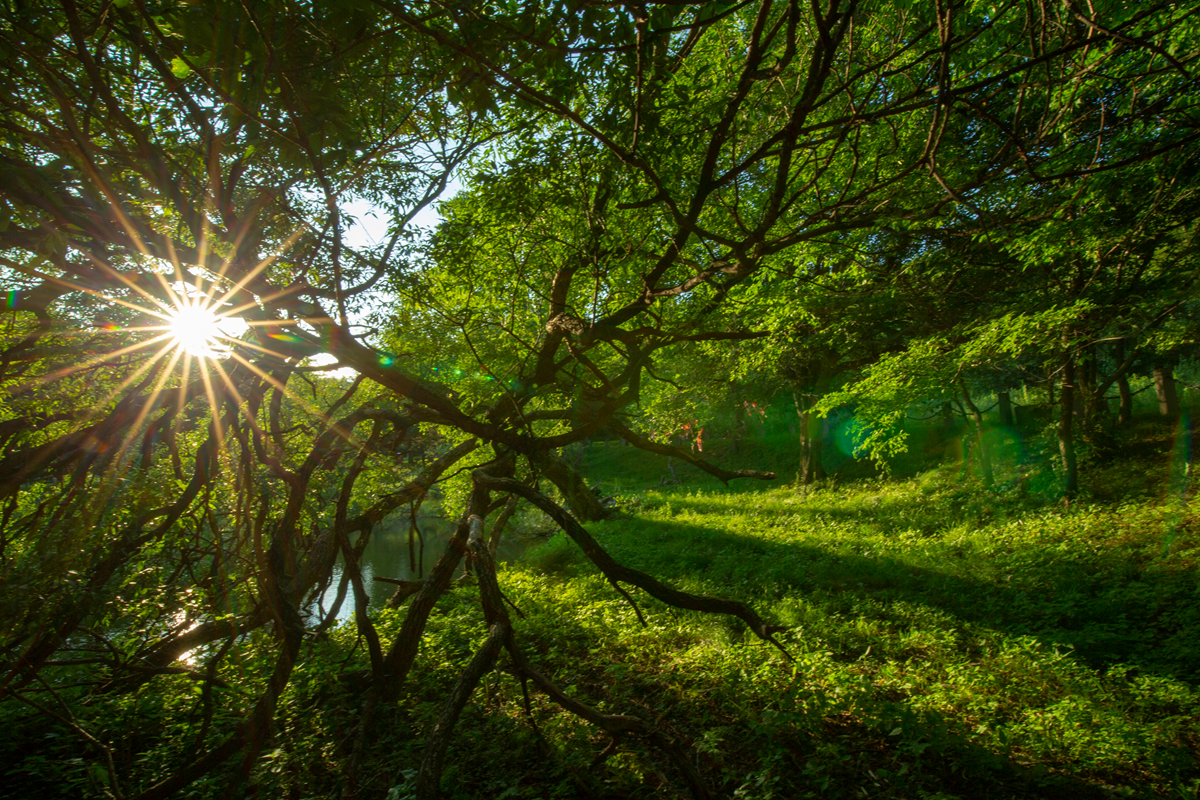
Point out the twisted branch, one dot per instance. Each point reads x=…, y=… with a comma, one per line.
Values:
x=619, y=572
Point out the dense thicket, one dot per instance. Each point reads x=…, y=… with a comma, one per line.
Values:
x=959, y=187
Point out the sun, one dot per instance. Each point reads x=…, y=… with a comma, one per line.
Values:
x=195, y=329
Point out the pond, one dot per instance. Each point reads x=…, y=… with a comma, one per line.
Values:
x=387, y=555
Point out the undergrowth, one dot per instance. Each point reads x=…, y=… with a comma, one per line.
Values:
x=947, y=640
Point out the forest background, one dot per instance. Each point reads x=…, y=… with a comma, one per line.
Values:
x=758, y=241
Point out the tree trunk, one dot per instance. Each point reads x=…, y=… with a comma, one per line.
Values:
x=579, y=498
x=739, y=426
x=947, y=417
x=809, y=426
x=331, y=616
x=1164, y=387
x=1125, y=413
x=510, y=506
x=1004, y=401
x=1066, y=437
x=985, y=459
x=1090, y=396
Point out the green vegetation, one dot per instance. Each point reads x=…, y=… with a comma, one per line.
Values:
x=747, y=238
x=948, y=638
x=949, y=641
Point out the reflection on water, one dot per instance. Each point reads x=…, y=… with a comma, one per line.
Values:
x=387, y=556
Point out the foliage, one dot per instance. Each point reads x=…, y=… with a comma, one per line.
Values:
x=636, y=182
x=946, y=640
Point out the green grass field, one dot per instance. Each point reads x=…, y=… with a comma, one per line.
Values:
x=948, y=641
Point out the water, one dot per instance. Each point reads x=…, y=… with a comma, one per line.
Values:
x=387, y=556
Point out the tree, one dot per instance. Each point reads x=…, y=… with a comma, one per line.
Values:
x=180, y=159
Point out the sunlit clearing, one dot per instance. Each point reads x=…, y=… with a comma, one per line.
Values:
x=195, y=329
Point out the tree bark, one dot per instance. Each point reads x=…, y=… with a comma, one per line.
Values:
x=1004, y=402
x=1066, y=438
x=985, y=459
x=947, y=417
x=1125, y=412
x=1090, y=394
x=510, y=507
x=582, y=502
x=1164, y=387
x=811, y=469
x=1125, y=415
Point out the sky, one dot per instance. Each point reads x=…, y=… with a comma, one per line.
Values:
x=371, y=228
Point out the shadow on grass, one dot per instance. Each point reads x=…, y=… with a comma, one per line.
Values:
x=801, y=741
x=1107, y=602
x=1128, y=614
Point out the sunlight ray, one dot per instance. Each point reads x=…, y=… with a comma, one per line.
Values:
x=94, y=361
x=176, y=299
x=111, y=270
x=117, y=207
x=195, y=327
x=202, y=244
x=249, y=304
x=243, y=282
x=107, y=485
x=212, y=401
x=243, y=408
x=148, y=407
x=176, y=261
x=95, y=409
x=307, y=406
x=133, y=233
x=275, y=383
x=108, y=463
x=78, y=287
x=355, y=442
x=184, y=381
x=114, y=328
x=262, y=349
x=150, y=363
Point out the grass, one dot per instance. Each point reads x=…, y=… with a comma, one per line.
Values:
x=948, y=641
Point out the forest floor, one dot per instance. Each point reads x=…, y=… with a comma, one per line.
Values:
x=947, y=640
